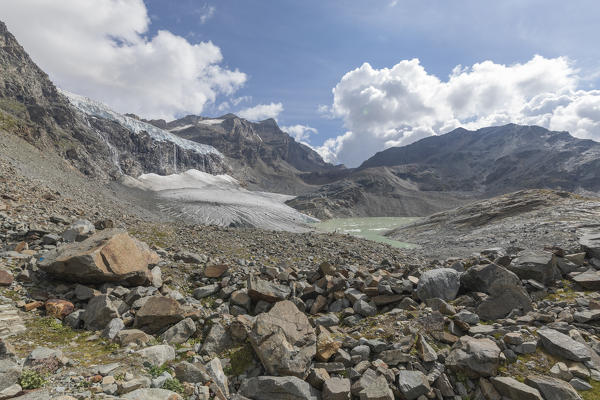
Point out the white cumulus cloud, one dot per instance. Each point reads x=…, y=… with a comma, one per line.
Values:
x=300, y=132
x=261, y=112
x=396, y=106
x=103, y=49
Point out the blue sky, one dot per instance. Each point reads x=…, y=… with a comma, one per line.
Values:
x=265, y=52
x=295, y=52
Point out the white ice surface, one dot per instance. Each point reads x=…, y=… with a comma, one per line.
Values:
x=220, y=200
x=98, y=109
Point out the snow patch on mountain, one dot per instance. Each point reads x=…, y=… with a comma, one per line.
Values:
x=97, y=109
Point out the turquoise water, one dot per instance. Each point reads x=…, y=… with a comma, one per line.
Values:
x=372, y=228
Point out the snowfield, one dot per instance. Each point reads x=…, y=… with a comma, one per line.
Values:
x=97, y=109
x=207, y=199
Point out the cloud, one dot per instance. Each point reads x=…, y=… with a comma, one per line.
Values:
x=396, y=106
x=103, y=49
x=206, y=13
x=261, y=112
x=300, y=132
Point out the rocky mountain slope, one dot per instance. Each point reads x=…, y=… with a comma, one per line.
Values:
x=101, y=147
x=374, y=192
x=527, y=219
x=496, y=160
x=261, y=154
x=441, y=172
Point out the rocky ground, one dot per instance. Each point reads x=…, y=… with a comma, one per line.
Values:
x=100, y=301
x=527, y=219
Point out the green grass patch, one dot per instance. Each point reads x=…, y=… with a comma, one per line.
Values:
x=31, y=379
x=240, y=359
x=174, y=385
x=593, y=394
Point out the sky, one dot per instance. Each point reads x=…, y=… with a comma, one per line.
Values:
x=346, y=77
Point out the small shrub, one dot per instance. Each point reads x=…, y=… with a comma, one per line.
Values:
x=173, y=385
x=156, y=371
x=31, y=379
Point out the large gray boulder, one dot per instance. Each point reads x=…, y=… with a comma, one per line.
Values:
x=157, y=355
x=515, y=390
x=413, y=384
x=109, y=256
x=278, y=388
x=589, y=279
x=99, y=312
x=474, y=357
x=10, y=372
x=561, y=345
x=590, y=242
x=552, y=388
x=180, y=332
x=440, y=283
x=284, y=340
x=503, y=287
x=537, y=265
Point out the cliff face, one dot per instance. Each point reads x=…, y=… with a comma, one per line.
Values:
x=102, y=145
x=261, y=154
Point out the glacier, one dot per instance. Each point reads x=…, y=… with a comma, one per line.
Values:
x=96, y=108
x=202, y=198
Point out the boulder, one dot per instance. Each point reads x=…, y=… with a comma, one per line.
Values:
x=111, y=330
x=336, y=389
x=259, y=289
x=78, y=231
x=109, y=256
x=152, y=394
x=99, y=312
x=128, y=336
x=552, y=388
x=515, y=390
x=589, y=280
x=58, y=308
x=278, y=388
x=193, y=373
x=157, y=355
x=158, y=313
x=503, y=287
x=217, y=341
x=413, y=384
x=376, y=389
x=284, y=340
x=537, y=265
x=6, y=278
x=215, y=271
x=589, y=240
x=180, y=332
x=561, y=345
x=10, y=372
x=474, y=357
x=441, y=283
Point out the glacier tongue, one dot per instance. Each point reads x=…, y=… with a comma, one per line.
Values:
x=98, y=109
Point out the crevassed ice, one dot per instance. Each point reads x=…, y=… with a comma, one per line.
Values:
x=98, y=109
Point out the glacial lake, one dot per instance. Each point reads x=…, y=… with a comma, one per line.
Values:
x=371, y=228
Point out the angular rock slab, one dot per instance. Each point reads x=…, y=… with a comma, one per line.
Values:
x=284, y=340
x=552, y=388
x=474, y=357
x=152, y=394
x=109, y=256
x=278, y=388
x=561, y=345
x=513, y=389
x=538, y=265
x=158, y=313
x=413, y=384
